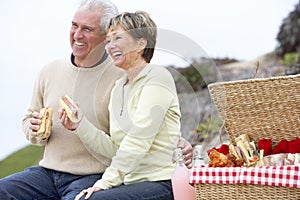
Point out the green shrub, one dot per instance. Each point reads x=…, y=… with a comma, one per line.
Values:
x=18, y=161
x=211, y=125
x=207, y=129
x=290, y=59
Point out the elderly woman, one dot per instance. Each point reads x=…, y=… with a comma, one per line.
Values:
x=144, y=117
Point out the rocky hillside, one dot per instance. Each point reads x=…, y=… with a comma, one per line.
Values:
x=198, y=109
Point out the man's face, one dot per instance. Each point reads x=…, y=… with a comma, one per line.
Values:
x=85, y=35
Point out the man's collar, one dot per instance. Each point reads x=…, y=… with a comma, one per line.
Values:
x=105, y=55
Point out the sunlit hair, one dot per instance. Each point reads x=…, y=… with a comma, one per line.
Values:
x=139, y=25
x=105, y=7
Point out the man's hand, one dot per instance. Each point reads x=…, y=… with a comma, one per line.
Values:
x=35, y=122
x=187, y=151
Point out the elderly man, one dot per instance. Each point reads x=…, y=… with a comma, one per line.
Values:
x=68, y=165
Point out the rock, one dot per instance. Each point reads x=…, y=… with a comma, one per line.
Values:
x=289, y=33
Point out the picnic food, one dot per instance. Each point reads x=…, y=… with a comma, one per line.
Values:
x=282, y=159
x=286, y=152
x=218, y=159
x=237, y=155
x=72, y=110
x=46, y=123
x=247, y=149
x=224, y=149
x=266, y=145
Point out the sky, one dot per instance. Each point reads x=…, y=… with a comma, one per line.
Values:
x=34, y=32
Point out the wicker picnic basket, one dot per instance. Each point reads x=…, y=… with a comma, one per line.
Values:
x=262, y=108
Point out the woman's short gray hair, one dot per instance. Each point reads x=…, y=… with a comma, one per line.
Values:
x=105, y=7
x=139, y=25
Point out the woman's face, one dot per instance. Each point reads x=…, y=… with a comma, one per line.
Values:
x=123, y=48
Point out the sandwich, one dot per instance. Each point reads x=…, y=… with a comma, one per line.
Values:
x=246, y=149
x=46, y=123
x=72, y=110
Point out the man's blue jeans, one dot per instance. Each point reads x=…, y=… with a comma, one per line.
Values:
x=38, y=183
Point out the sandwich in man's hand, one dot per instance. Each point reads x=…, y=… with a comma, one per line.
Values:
x=46, y=123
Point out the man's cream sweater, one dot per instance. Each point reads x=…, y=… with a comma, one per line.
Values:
x=90, y=88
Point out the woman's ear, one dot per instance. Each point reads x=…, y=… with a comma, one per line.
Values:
x=142, y=43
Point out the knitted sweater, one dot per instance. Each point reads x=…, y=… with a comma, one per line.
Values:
x=90, y=88
x=144, y=128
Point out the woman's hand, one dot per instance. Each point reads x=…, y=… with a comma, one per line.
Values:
x=187, y=151
x=87, y=192
x=65, y=121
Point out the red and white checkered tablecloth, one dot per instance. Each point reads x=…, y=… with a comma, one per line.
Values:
x=287, y=176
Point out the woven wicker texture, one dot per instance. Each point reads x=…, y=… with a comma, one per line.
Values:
x=244, y=192
x=262, y=108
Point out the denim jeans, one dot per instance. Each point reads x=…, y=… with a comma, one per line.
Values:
x=38, y=183
x=159, y=190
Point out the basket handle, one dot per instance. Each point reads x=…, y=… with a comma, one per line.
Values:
x=220, y=131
